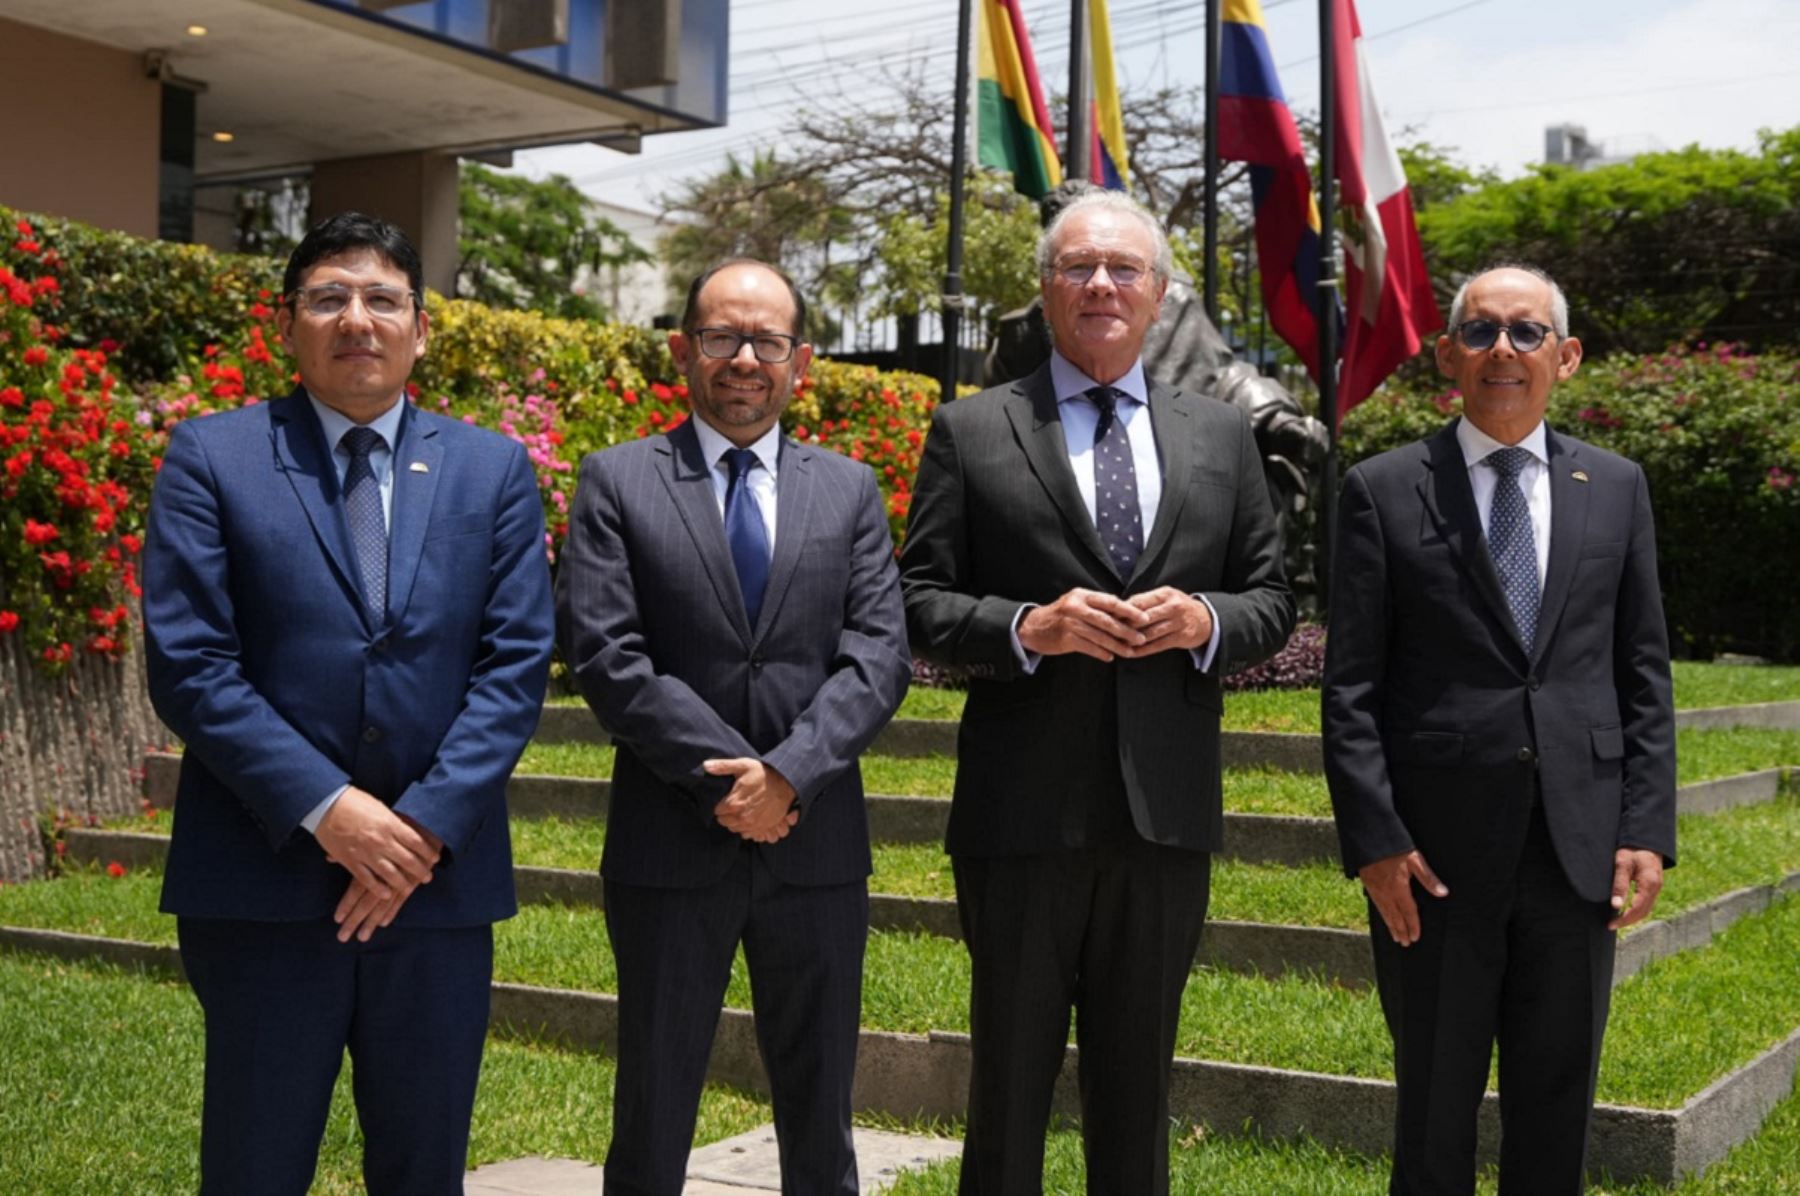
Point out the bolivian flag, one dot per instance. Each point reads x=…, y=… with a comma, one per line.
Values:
x=1012, y=124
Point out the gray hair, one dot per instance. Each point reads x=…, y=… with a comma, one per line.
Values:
x=1559, y=303
x=1162, y=262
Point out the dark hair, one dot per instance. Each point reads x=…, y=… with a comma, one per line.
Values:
x=348, y=232
x=690, y=311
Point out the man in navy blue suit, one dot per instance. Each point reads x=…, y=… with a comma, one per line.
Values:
x=729, y=603
x=349, y=625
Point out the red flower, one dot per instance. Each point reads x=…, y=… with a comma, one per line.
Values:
x=115, y=869
x=36, y=355
x=9, y=622
x=12, y=396
x=39, y=533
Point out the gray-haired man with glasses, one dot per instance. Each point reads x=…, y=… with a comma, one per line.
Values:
x=1499, y=740
x=729, y=605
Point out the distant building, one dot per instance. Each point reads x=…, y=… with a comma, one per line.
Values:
x=638, y=293
x=126, y=113
x=1569, y=145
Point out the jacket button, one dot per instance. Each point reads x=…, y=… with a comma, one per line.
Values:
x=756, y=662
x=381, y=645
x=1525, y=755
x=1532, y=683
x=371, y=734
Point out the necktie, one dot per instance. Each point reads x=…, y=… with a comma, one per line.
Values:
x=1511, y=543
x=368, y=527
x=745, y=532
x=1117, y=516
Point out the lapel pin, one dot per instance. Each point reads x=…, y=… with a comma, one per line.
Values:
x=1579, y=475
x=421, y=467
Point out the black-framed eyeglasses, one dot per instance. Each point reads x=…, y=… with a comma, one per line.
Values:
x=771, y=348
x=1123, y=273
x=332, y=299
x=1525, y=335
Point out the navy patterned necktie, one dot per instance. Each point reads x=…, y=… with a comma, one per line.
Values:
x=746, y=533
x=1511, y=542
x=1117, y=516
x=368, y=526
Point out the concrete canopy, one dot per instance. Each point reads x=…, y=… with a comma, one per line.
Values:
x=296, y=82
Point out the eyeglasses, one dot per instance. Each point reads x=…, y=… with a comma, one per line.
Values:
x=1525, y=335
x=771, y=348
x=1123, y=273
x=330, y=300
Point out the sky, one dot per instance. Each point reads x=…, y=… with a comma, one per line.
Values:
x=1481, y=78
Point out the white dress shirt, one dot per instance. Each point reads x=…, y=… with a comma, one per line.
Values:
x=761, y=481
x=1534, y=480
x=1080, y=419
x=381, y=462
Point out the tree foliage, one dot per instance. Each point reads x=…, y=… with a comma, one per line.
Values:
x=1000, y=231
x=528, y=243
x=1691, y=245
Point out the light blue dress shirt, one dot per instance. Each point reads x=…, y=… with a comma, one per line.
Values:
x=767, y=447
x=381, y=462
x=1080, y=418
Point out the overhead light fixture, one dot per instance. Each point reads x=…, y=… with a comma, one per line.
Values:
x=196, y=30
x=222, y=136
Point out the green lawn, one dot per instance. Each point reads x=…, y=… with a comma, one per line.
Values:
x=101, y=1084
x=1677, y=1025
x=1700, y=684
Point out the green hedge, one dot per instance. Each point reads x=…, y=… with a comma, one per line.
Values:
x=1718, y=435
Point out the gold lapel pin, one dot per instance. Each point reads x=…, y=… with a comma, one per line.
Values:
x=1579, y=475
x=421, y=467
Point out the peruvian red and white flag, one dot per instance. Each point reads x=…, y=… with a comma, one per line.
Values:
x=1389, y=307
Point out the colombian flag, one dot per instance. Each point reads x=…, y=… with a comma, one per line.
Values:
x=1013, y=126
x=1111, y=167
x=1255, y=126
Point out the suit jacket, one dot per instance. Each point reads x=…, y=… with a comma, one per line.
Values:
x=264, y=660
x=996, y=522
x=653, y=625
x=1436, y=719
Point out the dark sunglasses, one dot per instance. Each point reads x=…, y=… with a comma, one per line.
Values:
x=1525, y=335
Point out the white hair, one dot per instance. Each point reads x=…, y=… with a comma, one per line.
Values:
x=1162, y=261
x=1559, y=303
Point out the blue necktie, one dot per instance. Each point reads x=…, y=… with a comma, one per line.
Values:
x=745, y=532
x=368, y=526
x=1511, y=542
x=1117, y=516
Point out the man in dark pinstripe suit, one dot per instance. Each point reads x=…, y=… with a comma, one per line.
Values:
x=729, y=604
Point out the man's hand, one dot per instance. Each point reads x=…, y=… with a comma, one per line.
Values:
x=1642, y=870
x=1086, y=621
x=1173, y=619
x=1389, y=883
x=759, y=806
x=361, y=911
x=383, y=852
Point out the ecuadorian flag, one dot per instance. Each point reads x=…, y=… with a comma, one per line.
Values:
x=1256, y=126
x=1112, y=169
x=1012, y=124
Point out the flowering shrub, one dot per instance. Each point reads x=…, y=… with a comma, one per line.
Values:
x=75, y=470
x=1717, y=432
x=1299, y=665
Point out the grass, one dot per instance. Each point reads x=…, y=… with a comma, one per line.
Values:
x=122, y=1112
x=1707, y=755
x=1701, y=684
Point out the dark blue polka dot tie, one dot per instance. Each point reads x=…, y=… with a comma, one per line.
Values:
x=1511, y=542
x=1117, y=516
x=746, y=532
x=368, y=526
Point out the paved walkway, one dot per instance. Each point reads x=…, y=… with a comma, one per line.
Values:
x=740, y=1166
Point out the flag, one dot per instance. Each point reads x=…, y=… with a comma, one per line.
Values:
x=1111, y=166
x=1388, y=293
x=1012, y=124
x=1256, y=126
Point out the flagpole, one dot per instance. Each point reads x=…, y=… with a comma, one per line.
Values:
x=1210, y=219
x=1081, y=131
x=1328, y=351
x=959, y=165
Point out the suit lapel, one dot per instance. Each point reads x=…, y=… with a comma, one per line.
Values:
x=793, y=517
x=689, y=483
x=1568, y=528
x=1171, y=414
x=414, y=489
x=1450, y=504
x=1038, y=425
x=302, y=457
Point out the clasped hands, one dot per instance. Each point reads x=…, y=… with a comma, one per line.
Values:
x=1637, y=879
x=387, y=854
x=1108, y=627
x=760, y=806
